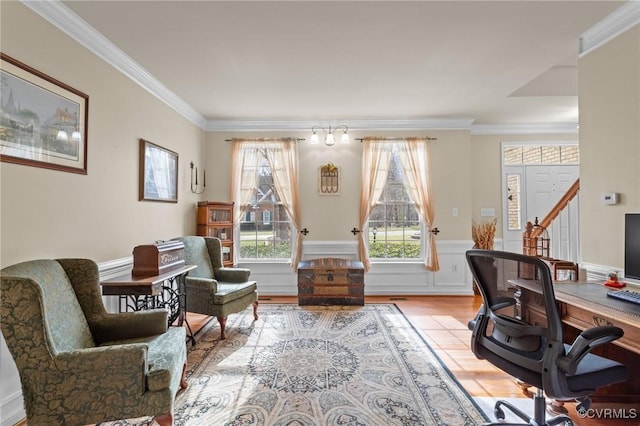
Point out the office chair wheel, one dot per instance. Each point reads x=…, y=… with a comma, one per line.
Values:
x=499, y=413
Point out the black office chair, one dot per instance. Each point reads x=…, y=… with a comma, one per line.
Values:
x=531, y=348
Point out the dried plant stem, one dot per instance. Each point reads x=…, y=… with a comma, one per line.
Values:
x=484, y=233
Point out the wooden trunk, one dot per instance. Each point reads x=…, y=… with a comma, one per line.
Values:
x=330, y=281
x=155, y=259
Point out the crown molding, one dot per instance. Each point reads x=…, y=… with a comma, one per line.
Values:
x=619, y=21
x=524, y=129
x=378, y=125
x=355, y=124
x=55, y=12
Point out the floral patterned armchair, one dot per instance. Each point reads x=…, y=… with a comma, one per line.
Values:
x=213, y=289
x=79, y=364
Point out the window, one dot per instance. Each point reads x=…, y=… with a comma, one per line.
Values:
x=394, y=224
x=541, y=154
x=514, y=206
x=265, y=229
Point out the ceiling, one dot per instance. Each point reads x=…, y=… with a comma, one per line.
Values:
x=486, y=62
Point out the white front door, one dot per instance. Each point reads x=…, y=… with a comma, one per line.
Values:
x=538, y=188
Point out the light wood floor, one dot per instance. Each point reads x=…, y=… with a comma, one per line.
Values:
x=443, y=322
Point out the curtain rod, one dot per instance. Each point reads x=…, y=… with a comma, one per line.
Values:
x=264, y=139
x=376, y=138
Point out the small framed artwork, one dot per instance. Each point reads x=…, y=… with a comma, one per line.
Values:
x=329, y=179
x=158, y=173
x=43, y=122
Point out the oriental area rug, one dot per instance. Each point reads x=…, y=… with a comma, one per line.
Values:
x=317, y=365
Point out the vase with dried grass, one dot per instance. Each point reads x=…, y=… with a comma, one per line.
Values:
x=483, y=235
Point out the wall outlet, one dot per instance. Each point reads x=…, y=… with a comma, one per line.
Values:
x=454, y=268
x=454, y=212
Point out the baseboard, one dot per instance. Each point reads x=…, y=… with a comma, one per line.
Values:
x=12, y=410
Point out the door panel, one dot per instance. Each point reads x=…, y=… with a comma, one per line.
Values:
x=541, y=188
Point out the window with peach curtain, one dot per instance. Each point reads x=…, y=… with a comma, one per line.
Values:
x=396, y=203
x=265, y=189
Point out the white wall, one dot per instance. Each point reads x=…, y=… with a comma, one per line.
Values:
x=609, y=88
x=52, y=214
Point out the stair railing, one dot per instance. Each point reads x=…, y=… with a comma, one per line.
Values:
x=535, y=241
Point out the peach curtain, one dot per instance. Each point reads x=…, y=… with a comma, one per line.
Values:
x=375, y=168
x=414, y=156
x=282, y=158
x=244, y=169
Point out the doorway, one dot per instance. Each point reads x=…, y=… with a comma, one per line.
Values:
x=535, y=177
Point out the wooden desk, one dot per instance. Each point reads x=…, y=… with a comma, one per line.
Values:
x=166, y=291
x=330, y=281
x=584, y=305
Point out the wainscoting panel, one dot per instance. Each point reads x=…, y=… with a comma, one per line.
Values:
x=384, y=277
x=112, y=269
x=595, y=272
x=342, y=249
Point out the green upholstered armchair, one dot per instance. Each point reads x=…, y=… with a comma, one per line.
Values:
x=79, y=364
x=213, y=289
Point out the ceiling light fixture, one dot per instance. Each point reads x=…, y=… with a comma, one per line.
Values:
x=330, y=139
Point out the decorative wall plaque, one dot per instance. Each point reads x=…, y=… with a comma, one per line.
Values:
x=329, y=181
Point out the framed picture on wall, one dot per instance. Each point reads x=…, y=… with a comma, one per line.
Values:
x=158, y=173
x=43, y=122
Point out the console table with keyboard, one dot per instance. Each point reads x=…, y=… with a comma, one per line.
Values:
x=584, y=305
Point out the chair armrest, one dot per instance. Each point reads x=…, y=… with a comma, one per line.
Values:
x=503, y=302
x=233, y=275
x=126, y=363
x=202, y=284
x=585, y=342
x=112, y=358
x=130, y=325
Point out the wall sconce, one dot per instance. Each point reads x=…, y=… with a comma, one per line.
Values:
x=329, y=139
x=194, y=186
